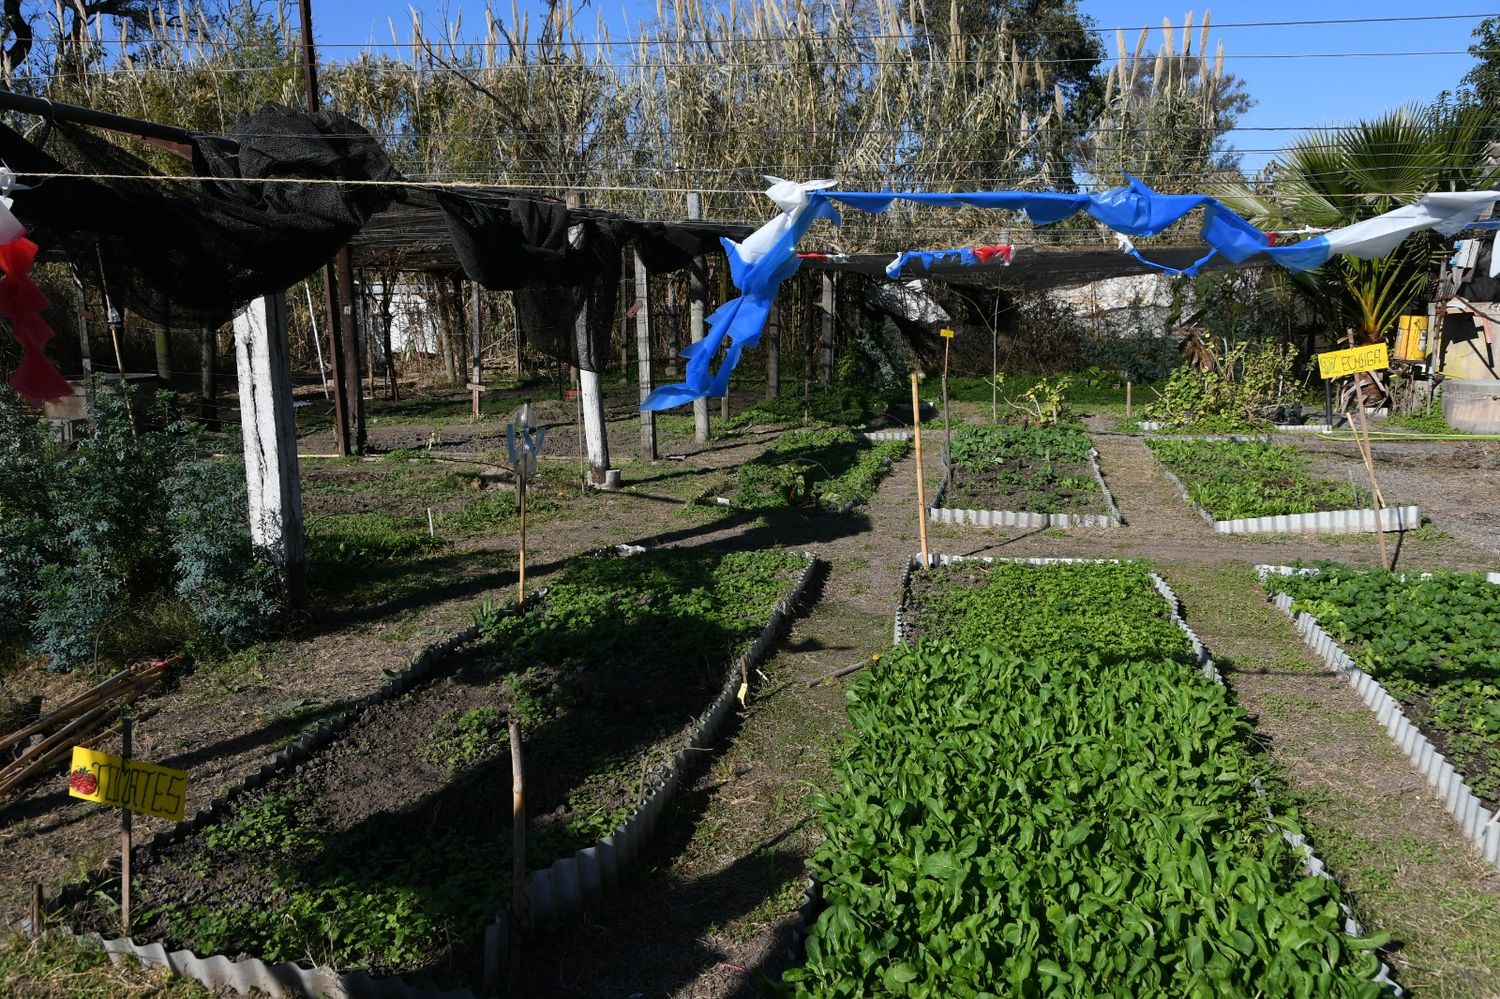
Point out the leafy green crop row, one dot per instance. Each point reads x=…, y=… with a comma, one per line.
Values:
x=1433, y=642
x=1239, y=479
x=1045, y=798
x=823, y=467
x=1042, y=469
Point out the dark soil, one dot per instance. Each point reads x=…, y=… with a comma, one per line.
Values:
x=1024, y=486
x=411, y=800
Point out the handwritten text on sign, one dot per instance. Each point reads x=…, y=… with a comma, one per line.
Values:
x=140, y=787
x=1337, y=363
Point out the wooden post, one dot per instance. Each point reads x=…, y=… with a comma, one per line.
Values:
x=36, y=909
x=1128, y=400
x=81, y=310
x=590, y=384
x=354, y=397
x=773, y=351
x=270, y=440
x=518, y=901
x=697, y=301
x=826, y=341
x=162, y=337
x=125, y=835
x=208, y=385
x=947, y=422
x=916, y=436
x=809, y=321
x=477, y=378
x=995, y=363
x=643, y=357
x=521, y=554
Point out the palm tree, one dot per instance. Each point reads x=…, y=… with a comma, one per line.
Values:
x=1335, y=177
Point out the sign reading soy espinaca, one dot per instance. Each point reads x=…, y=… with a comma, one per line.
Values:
x=140, y=787
x=1337, y=363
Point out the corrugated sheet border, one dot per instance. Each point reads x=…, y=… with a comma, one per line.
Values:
x=574, y=883
x=1480, y=826
x=940, y=514
x=1311, y=863
x=878, y=436
x=1361, y=521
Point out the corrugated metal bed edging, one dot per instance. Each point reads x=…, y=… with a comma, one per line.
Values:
x=1026, y=518
x=1480, y=825
x=1361, y=521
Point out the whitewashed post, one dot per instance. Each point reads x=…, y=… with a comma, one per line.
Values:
x=826, y=340
x=643, y=357
x=590, y=385
x=773, y=351
x=270, y=438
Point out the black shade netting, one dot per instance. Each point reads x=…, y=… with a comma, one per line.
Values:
x=181, y=252
x=555, y=259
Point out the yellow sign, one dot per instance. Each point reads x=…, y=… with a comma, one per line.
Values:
x=1411, y=345
x=1337, y=363
x=946, y=332
x=140, y=787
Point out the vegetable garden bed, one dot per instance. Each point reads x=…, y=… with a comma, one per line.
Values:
x=1423, y=651
x=834, y=469
x=1046, y=796
x=1024, y=477
x=389, y=852
x=1254, y=487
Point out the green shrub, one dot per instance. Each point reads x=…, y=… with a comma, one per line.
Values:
x=233, y=596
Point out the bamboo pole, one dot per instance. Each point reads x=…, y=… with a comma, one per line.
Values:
x=1362, y=441
x=518, y=905
x=916, y=433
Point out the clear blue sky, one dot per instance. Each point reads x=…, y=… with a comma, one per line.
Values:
x=1308, y=89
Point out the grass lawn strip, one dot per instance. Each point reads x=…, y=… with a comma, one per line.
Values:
x=835, y=469
x=1422, y=652
x=1251, y=486
x=390, y=851
x=1120, y=847
x=1025, y=477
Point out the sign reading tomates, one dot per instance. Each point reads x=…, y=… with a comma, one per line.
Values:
x=130, y=784
x=1337, y=363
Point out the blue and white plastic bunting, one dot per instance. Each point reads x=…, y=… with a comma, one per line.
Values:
x=768, y=256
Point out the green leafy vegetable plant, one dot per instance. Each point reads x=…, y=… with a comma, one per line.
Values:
x=1432, y=640
x=1238, y=479
x=1044, y=797
x=1040, y=469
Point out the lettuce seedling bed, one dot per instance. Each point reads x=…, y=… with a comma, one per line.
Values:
x=1046, y=796
x=1243, y=486
x=1024, y=477
x=389, y=851
x=834, y=469
x=1423, y=652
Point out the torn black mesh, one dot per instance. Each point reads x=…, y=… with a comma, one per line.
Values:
x=184, y=253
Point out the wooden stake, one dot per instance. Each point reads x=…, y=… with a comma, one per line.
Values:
x=916, y=434
x=36, y=909
x=518, y=905
x=947, y=423
x=1127, y=398
x=125, y=824
x=1362, y=439
x=521, y=556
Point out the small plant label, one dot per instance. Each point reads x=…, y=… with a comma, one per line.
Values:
x=1337, y=363
x=140, y=787
x=946, y=333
